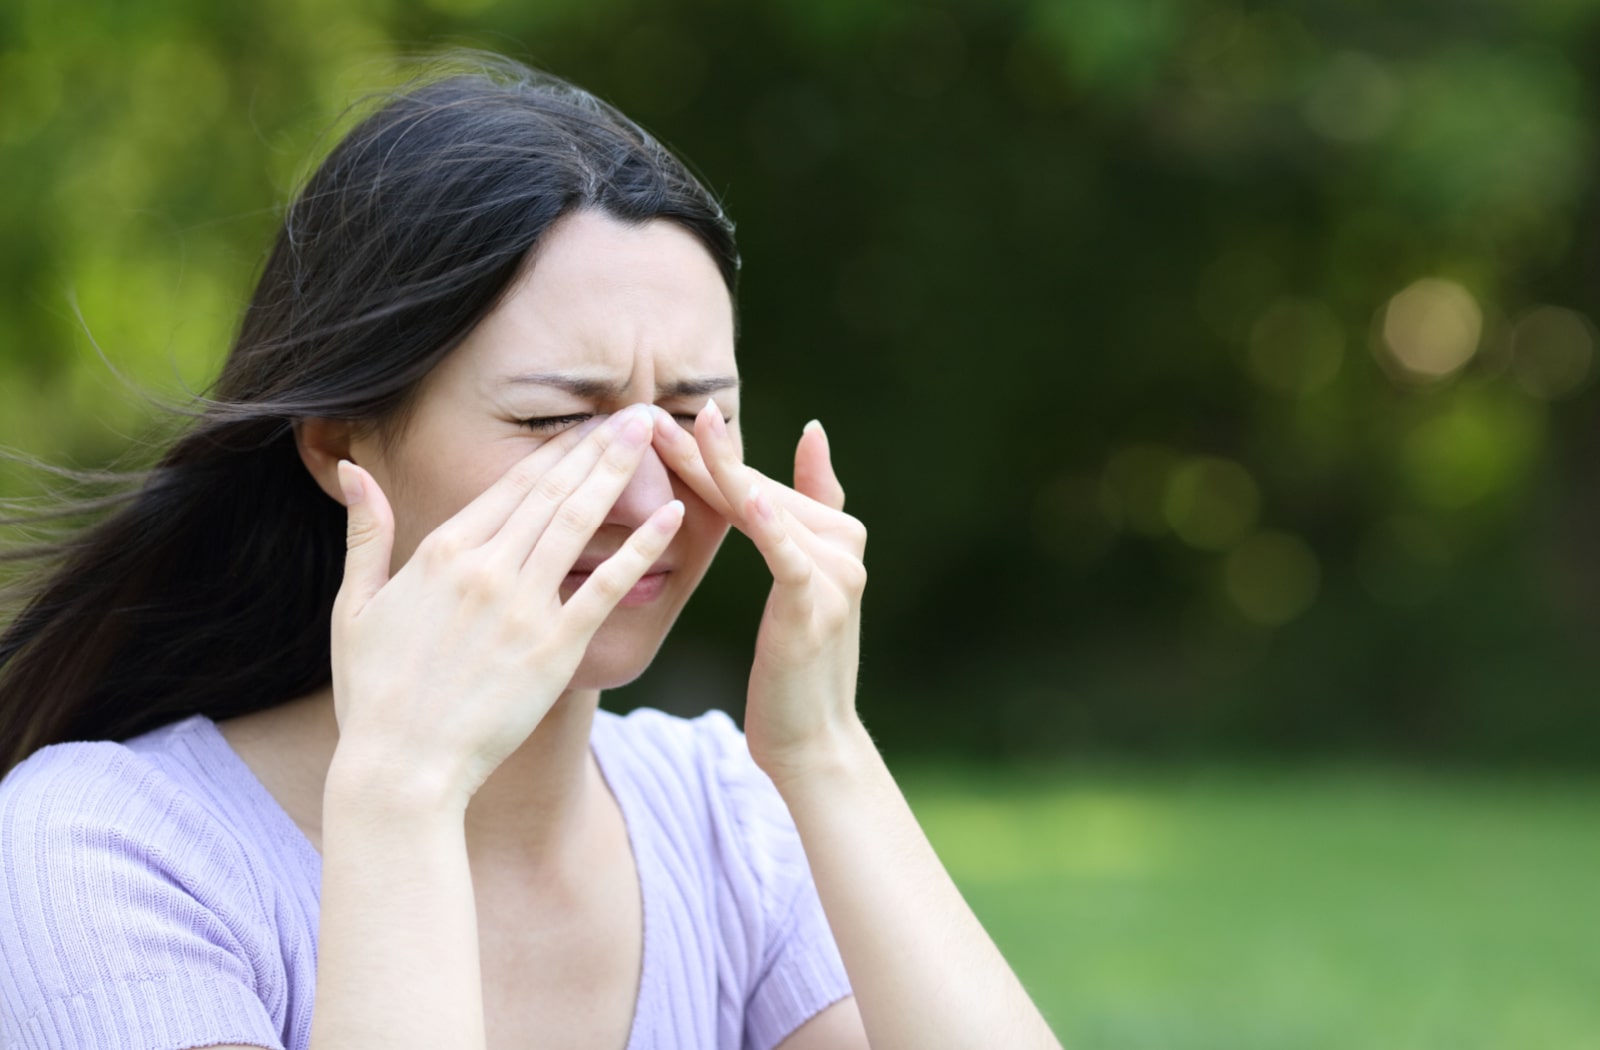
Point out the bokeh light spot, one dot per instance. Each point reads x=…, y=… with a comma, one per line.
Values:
x=1272, y=577
x=1432, y=327
x=1552, y=352
x=1296, y=347
x=1478, y=446
x=1211, y=503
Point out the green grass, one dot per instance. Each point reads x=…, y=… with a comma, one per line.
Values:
x=1285, y=910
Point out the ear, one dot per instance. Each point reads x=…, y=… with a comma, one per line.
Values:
x=322, y=443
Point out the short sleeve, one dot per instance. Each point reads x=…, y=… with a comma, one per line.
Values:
x=127, y=918
x=797, y=971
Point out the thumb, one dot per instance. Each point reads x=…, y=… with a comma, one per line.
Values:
x=369, y=537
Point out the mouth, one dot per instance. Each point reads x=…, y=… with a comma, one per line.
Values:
x=647, y=590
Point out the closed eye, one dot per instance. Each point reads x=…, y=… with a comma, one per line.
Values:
x=545, y=424
x=550, y=424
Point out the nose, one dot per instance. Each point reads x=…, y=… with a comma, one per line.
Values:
x=647, y=491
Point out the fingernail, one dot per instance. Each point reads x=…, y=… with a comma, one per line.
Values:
x=665, y=424
x=815, y=424
x=674, y=515
x=350, y=483
x=716, y=414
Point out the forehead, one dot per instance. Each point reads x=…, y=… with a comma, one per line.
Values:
x=643, y=303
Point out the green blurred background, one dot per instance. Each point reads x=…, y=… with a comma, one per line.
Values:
x=1216, y=380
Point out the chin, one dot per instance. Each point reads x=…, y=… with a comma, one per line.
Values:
x=614, y=659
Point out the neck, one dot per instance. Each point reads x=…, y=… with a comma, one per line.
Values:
x=532, y=813
x=534, y=809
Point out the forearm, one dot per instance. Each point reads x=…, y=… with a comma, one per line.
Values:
x=397, y=956
x=924, y=972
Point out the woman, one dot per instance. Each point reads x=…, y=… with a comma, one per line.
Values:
x=333, y=668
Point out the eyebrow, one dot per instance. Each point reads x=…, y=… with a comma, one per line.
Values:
x=596, y=388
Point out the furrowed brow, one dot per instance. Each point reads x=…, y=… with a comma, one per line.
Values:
x=700, y=387
x=579, y=385
x=598, y=389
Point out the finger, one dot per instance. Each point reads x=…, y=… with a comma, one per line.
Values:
x=573, y=522
x=813, y=468
x=618, y=447
x=369, y=537
x=681, y=454
x=733, y=479
x=482, y=518
x=611, y=580
x=769, y=529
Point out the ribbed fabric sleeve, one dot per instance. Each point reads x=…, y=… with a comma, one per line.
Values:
x=126, y=918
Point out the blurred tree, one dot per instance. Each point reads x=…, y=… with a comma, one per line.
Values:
x=1211, y=375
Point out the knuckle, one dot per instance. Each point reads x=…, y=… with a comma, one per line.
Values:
x=573, y=517
x=853, y=577
x=551, y=487
x=608, y=587
x=621, y=460
x=476, y=579
x=855, y=531
x=801, y=569
x=523, y=475
x=355, y=539
x=441, y=546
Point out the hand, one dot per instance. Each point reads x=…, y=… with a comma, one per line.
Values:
x=801, y=698
x=442, y=671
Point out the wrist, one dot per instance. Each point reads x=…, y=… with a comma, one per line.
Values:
x=833, y=757
x=365, y=783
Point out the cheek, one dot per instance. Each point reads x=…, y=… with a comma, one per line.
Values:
x=426, y=495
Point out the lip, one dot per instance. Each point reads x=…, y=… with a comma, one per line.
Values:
x=647, y=590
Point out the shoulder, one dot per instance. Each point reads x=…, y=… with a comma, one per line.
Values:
x=79, y=812
x=147, y=794
x=95, y=783
x=120, y=885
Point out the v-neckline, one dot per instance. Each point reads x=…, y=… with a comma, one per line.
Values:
x=622, y=790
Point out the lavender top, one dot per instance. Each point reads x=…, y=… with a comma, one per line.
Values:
x=154, y=896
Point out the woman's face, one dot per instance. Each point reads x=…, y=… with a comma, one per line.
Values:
x=608, y=315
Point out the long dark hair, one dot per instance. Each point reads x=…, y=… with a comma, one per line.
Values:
x=205, y=584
